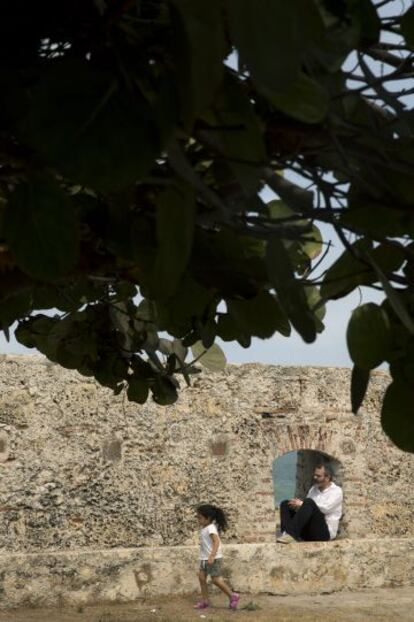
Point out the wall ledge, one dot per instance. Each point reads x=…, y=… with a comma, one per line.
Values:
x=87, y=576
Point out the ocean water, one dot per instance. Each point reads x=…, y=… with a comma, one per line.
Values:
x=284, y=477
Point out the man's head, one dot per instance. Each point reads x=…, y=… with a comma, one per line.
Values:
x=323, y=475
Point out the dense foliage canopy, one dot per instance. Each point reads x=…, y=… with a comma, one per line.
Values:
x=136, y=137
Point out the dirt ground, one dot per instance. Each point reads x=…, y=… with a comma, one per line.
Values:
x=385, y=605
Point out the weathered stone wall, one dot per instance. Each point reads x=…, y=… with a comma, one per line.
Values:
x=81, y=468
x=71, y=578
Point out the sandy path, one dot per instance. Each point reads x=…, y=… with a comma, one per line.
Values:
x=385, y=605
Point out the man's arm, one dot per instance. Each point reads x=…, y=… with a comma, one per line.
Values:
x=296, y=503
x=332, y=501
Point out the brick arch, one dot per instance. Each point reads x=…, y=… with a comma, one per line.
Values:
x=303, y=436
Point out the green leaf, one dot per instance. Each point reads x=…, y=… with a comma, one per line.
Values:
x=179, y=350
x=397, y=415
x=310, y=243
x=41, y=324
x=261, y=316
x=137, y=389
x=346, y=273
x=165, y=346
x=83, y=343
x=394, y=299
x=407, y=27
x=125, y=289
x=41, y=229
x=100, y=136
x=244, y=340
x=239, y=135
x=60, y=335
x=359, y=384
x=388, y=257
x=313, y=245
x=213, y=358
x=118, y=312
x=111, y=370
x=164, y=391
x=227, y=328
x=146, y=311
x=336, y=40
x=24, y=335
x=264, y=33
x=279, y=210
x=304, y=99
x=201, y=49
x=175, y=228
x=296, y=198
x=389, y=221
x=369, y=336
x=313, y=296
x=141, y=368
x=229, y=263
x=14, y=99
x=70, y=296
x=69, y=358
x=207, y=331
x=290, y=293
x=14, y=307
x=364, y=14
x=176, y=316
x=164, y=111
x=354, y=268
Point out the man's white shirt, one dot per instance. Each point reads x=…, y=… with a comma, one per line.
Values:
x=329, y=501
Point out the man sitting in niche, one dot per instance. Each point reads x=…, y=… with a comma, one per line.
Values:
x=315, y=518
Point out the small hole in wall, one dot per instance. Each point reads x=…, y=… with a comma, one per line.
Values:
x=219, y=448
x=112, y=450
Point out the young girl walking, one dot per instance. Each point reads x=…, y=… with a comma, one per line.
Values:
x=211, y=520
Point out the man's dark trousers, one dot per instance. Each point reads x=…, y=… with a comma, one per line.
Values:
x=305, y=523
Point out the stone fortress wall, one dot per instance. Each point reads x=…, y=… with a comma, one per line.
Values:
x=81, y=469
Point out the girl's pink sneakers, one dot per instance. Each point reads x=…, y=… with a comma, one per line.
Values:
x=234, y=600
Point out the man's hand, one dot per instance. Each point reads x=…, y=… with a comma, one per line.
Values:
x=210, y=560
x=295, y=503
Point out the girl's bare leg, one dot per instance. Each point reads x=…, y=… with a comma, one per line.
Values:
x=202, y=577
x=220, y=582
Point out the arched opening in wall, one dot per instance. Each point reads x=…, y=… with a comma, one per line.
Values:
x=292, y=475
x=284, y=477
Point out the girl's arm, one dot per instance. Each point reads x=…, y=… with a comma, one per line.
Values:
x=216, y=542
